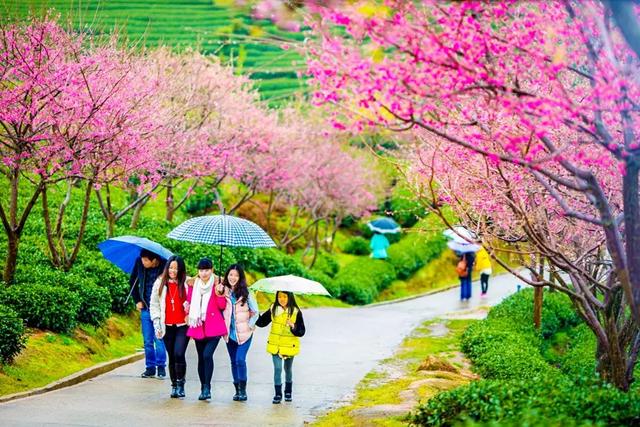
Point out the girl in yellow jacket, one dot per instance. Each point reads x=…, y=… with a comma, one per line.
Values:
x=283, y=343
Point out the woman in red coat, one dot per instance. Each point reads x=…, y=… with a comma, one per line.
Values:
x=206, y=321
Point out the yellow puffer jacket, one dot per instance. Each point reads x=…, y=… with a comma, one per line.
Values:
x=483, y=260
x=281, y=341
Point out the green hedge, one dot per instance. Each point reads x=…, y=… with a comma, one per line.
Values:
x=414, y=252
x=95, y=301
x=356, y=246
x=44, y=306
x=362, y=280
x=519, y=384
x=12, y=338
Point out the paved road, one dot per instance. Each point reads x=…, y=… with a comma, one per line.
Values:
x=340, y=347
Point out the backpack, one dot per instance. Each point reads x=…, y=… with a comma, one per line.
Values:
x=461, y=268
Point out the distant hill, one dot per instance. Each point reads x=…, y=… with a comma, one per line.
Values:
x=209, y=25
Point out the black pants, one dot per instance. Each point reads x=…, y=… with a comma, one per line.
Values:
x=176, y=341
x=205, y=348
x=484, y=282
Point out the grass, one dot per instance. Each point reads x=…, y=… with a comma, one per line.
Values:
x=214, y=27
x=438, y=274
x=87, y=346
x=388, y=384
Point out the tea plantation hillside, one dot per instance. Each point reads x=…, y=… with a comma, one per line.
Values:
x=253, y=47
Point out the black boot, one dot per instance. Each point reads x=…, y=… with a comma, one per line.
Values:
x=174, y=390
x=242, y=396
x=237, y=395
x=287, y=392
x=180, y=388
x=278, y=397
x=205, y=392
x=181, y=370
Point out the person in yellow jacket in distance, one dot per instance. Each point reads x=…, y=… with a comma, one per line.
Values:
x=483, y=265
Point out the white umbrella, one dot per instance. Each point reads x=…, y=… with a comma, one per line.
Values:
x=460, y=234
x=463, y=247
x=290, y=283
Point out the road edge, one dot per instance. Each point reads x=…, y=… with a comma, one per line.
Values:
x=76, y=378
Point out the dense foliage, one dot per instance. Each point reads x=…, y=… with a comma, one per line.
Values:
x=530, y=375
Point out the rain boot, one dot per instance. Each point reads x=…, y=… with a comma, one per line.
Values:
x=181, y=370
x=236, y=396
x=287, y=392
x=174, y=390
x=205, y=392
x=242, y=396
x=278, y=396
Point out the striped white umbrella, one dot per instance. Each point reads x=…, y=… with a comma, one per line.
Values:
x=223, y=230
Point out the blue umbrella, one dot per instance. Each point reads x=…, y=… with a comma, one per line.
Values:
x=223, y=230
x=124, y=250
x=384, y=225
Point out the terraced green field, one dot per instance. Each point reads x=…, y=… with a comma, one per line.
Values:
x=253, y=47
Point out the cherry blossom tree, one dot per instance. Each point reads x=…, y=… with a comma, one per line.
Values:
x=67, y=114
x=547, y=117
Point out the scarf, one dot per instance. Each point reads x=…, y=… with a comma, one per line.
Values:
x=200, y=301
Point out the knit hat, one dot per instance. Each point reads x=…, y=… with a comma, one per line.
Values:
x=205, y=264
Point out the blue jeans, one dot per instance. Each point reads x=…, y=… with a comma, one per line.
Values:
x=154, y=352
x=277, y=369
x=238, y=356
x=465, y=287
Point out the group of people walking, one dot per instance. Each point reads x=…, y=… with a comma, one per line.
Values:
x=467, y=263
x=175, y=309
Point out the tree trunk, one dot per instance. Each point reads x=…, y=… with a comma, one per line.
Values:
x=632, y=231
x=13, y=227
x=83, y=226
x=136, y=216
x=269, y=210
x=12, y=257
x=537, y=306
x=538, y=292
x=111, y=226
x=169, y=202
x=611, y=363
x=315, y=245
x=54, y=256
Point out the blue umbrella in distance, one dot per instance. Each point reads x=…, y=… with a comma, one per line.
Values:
x=384, y=225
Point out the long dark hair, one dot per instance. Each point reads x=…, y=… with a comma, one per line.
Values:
x=291, y=303
x=182, y=275
x=240, y=291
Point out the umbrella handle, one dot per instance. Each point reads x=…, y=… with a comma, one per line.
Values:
x=130, y=292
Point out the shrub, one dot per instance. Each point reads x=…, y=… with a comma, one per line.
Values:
x=12, y=338
x=272, y=262
x=362, y=280
x=356, y=246
x=326, y=264
x=44, y=306
x=109, y=277
x=200, y=202
x=543, y=401
x=406, y=210
x=330, y=284
x=95, y=301
x=414, y=252
x=519, y=386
